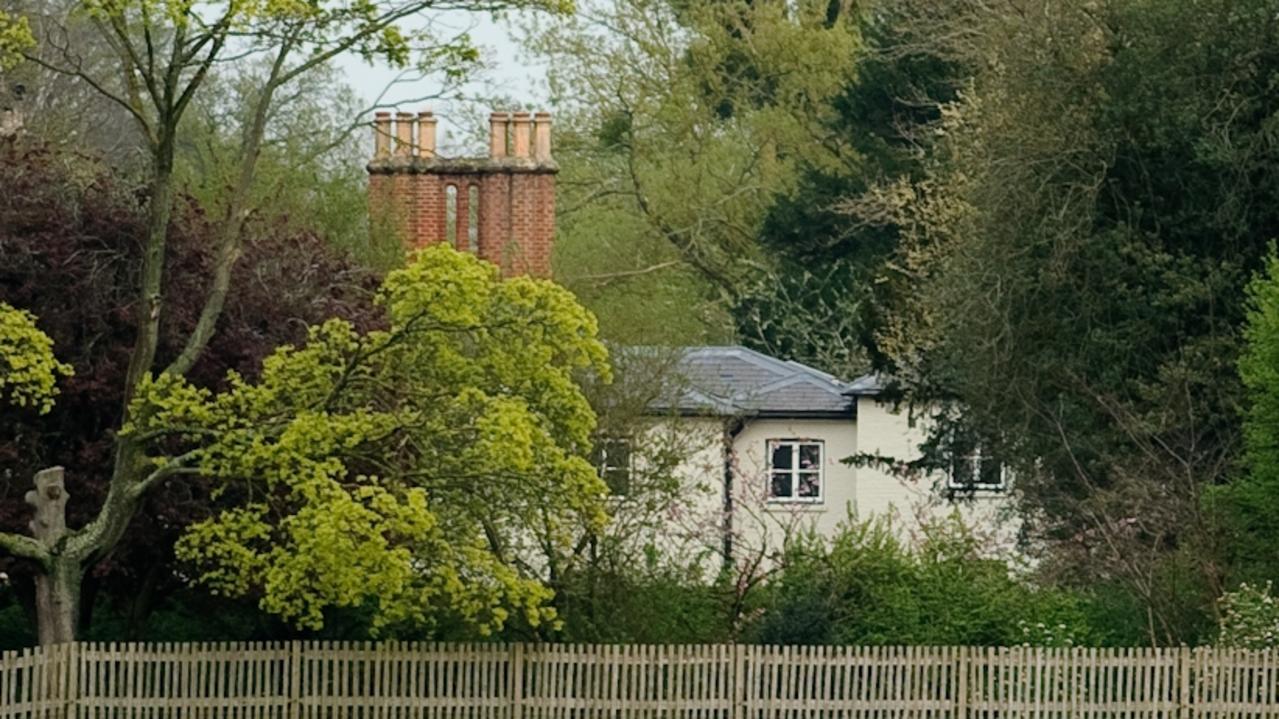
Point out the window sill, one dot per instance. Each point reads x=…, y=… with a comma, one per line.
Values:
x=799, y=505
x=982, y=492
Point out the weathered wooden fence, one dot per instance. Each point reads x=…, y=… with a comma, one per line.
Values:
x=399, y=681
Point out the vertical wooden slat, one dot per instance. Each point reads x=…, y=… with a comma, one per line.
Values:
x=517, y=681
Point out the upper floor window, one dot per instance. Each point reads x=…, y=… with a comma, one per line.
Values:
x=795, y=470
x=612, y=459
x=973, y=468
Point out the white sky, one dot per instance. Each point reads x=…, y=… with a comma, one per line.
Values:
x=508, y=73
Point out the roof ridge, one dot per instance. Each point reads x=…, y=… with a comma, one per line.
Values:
x=789, y=380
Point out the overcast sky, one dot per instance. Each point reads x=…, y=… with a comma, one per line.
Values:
x=508, y=74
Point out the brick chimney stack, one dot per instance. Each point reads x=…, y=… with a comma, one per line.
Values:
x=501, y=207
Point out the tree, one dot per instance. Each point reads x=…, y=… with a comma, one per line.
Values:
x=165, y=56
x=400, y=469
x=682, y=122
x=311, y=169
x=70, y=212
x=409, y=464
x=1070, y=278
x=1249, y=501
x=61, y=110
x=822, y=305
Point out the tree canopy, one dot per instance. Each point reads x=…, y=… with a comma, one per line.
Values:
x=406, y=465
x=682, y=123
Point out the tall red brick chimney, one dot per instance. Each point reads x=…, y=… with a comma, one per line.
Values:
x=501, y=207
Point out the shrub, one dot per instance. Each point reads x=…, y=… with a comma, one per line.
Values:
x=1249, y=618
x=865, y=586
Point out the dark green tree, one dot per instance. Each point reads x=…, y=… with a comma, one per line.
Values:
x=1070, y=281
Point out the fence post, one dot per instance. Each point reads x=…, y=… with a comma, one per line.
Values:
x=517, y=680
x=1183, y=679
x=295, y=679
x=739, y=682
x=71, y=707
x=961, y=684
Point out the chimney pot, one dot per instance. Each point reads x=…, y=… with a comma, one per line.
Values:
x=403, y=133
x=521, y=125
x=497, y=134
x=542, y=136
x=381, y=135
x=426, y=134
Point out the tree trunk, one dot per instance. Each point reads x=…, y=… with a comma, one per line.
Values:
x=58, y=586
x=58, y=600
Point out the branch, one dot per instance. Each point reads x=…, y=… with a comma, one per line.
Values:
x=23, y=546
x=606, y=277
x=232, y=227
x=175, y=465
x=97, y=87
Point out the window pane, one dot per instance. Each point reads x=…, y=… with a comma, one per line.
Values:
x=962, y=471
x=809, y=484
x=473, y=218
x=450, y=215
x=992, y=472
x=612, y=459
x=619, y=453
x=782, y=485
x=963, y=444
x=782, y=456
x=810, y=456
x=618, y=480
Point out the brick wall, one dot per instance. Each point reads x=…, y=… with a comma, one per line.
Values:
x=408, y=190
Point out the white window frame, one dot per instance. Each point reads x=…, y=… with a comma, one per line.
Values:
x=603, y=467
x=976, y=458
x=795, y=470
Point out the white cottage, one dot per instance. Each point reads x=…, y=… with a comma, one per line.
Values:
x=765, y=444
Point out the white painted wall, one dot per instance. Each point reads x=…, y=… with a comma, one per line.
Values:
x=688, y=528
x=762, y=522
x=692, y=527
x=889, y=431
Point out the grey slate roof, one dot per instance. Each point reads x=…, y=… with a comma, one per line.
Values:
x=867, y=384
x=738, y=381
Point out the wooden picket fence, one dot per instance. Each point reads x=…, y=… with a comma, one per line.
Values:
x=521, y=681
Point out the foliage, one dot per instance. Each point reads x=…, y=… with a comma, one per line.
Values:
x=65, y=211
x=15, y=37
x=1070, y=280
x=28, y=370
x=1249, y=618
x=163, y=59
x=398, y=466
x=820, y=305
x=653, y=601
x=61, y=109
x=864, y=586
x=682, y=122
x=310, y=171
x=1249, y=502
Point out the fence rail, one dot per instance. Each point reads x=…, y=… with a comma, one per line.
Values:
x=329, y=680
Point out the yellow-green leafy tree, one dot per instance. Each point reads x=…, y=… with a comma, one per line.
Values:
x=403, y=469
x=28, y=370
x=165, y=52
